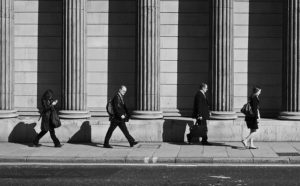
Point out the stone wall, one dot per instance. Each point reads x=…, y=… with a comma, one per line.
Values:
x=258, y=52
x=184, y=51
x=38, y=45
x=111, y=31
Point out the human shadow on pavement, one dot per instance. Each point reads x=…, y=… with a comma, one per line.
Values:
x=22, y=133
x=211, y=144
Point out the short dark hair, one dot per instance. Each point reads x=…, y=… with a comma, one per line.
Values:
x=202, y=85
x=256, y=89
x=122, y=86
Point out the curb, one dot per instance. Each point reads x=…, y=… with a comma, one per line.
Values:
x=149, y=160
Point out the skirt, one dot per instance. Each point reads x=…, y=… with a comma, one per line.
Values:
x=251, y=122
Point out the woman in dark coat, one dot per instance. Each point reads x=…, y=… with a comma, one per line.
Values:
x=48, y=104
x=253, y=120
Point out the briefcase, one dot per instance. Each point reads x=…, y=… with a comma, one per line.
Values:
x=197, y=130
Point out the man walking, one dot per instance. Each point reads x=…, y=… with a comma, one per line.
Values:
x=119, y=118
x=201, y=112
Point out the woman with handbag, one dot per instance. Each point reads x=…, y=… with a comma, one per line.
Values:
x=49, y=116
x=252, y=120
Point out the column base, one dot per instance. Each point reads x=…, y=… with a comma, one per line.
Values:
x=147, y=115
x=218, y=115
x=289, y=115
x=74, y=114
x=8, y=114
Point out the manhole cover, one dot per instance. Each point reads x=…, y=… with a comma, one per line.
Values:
x=288, y=154
x=149, y=146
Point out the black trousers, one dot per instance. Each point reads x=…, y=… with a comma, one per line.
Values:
x=122, y=126
x=203, y=122
x=52, y=135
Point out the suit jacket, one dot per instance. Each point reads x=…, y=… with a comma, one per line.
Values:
x=119, y=108
x=201, y=107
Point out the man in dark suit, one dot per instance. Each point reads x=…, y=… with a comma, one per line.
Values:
x=119, y=118
x=201, y=111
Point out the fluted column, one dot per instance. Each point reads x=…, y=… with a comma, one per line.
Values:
x=74, y=60
x=148, y=56
x=221, y=59
x=291, y=63
x=6, y=60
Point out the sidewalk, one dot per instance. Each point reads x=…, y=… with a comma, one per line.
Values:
x=150, y=153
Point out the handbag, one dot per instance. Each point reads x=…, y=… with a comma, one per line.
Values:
x=247, y=110
x=197, y=130
x=55, y=119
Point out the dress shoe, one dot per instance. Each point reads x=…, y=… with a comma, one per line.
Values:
x=253, y=147
x=58, y=145
x=133, y=143
x=189, y=138
x=107, y=146
x=206, y=143
x=36, y=145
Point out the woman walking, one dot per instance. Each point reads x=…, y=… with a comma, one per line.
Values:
x=48, y=104
x=253, y=120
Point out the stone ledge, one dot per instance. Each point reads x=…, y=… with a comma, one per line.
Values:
x=167, y=130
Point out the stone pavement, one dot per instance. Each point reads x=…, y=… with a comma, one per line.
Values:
x=150, y=153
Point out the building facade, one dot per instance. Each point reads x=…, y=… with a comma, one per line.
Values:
x=160, y=49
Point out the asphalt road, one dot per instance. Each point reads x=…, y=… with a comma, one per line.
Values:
x=60, y=175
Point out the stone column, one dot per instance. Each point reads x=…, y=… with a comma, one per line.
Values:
x=221, y=59
x=291, y=61
x=148, y=56
x=6, y=60
x=74, y=60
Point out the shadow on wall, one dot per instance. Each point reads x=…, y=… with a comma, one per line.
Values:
x=84, y=135
x=174, y=129
x=49, y=46
x=265, y=54
x=121, y=49
x=193, y=53
x=22, y=133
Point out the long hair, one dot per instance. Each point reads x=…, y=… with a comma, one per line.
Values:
x=48, y=95
x=255, y=90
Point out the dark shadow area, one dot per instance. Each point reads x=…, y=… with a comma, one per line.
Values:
x=84, y=135
x=265, y=54
x=121, y=49
x=22, y=133
x=49, y=49
x=197, y=142
x=174, y=129
x=193, y=51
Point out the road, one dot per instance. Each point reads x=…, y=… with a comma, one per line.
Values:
x=60, y=175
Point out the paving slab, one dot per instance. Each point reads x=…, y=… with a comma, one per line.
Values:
x=140, y=155
x=282, y=147
x=190, y=151
x=214, y=151
x=264, y=151
x=296, y=145
x=15, y=149
x=167, y=153
x=237, y=150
